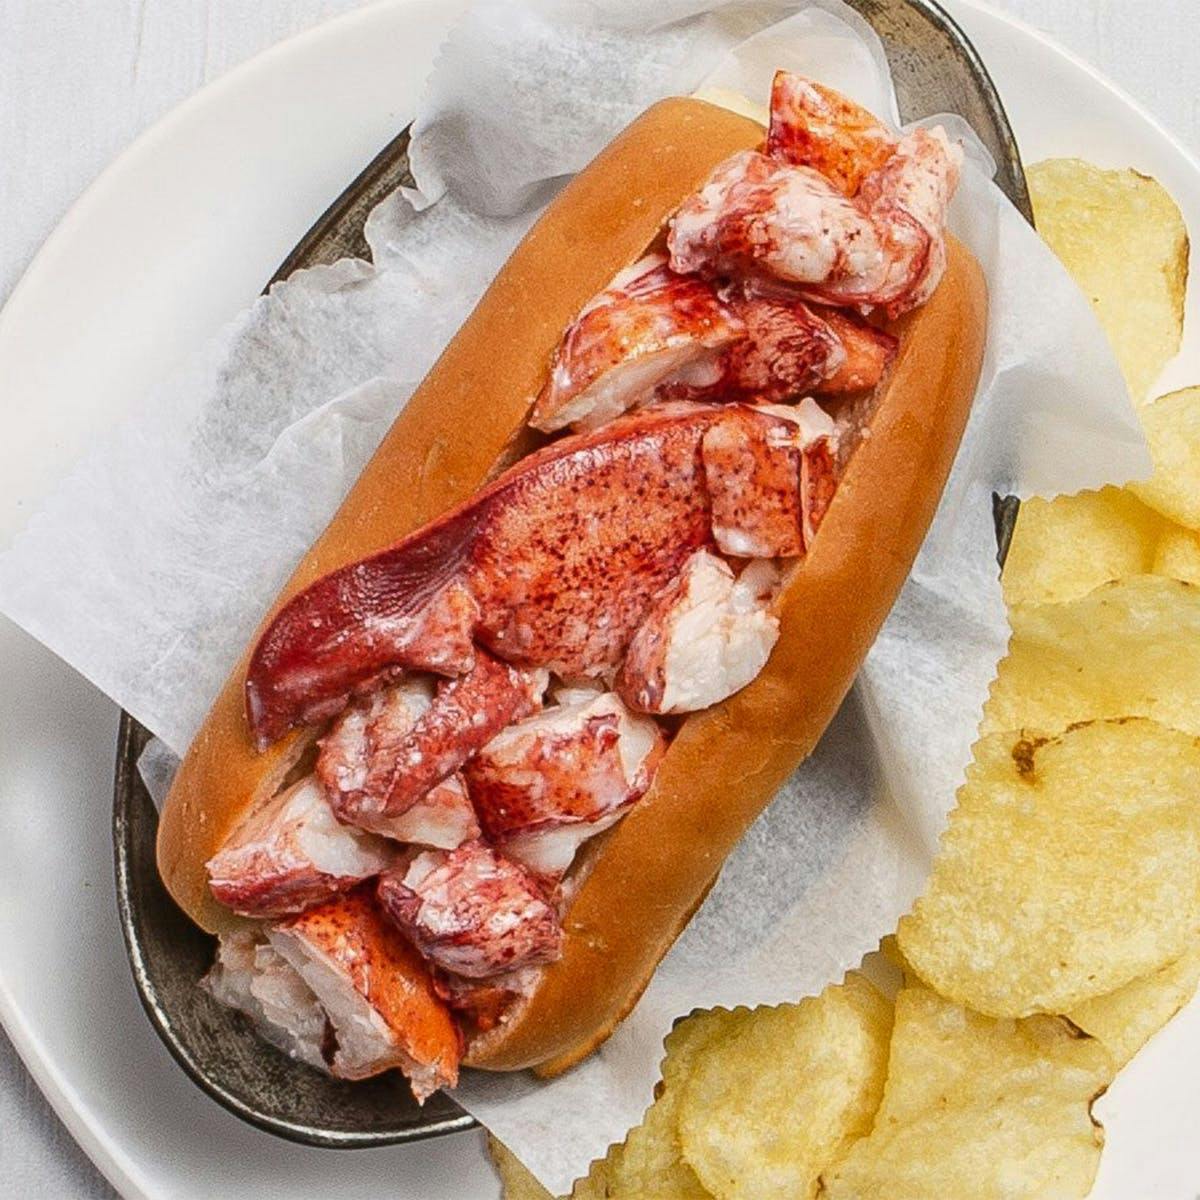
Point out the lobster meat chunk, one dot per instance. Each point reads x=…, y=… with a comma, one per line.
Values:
x=650, y=327
x=403, y=608
x=369, y=725
x=761, y=218
x=915, y=185
x=545, y=785
x=707, y=636
x=342, y=967
x=381, y=760
x=471, y=911
x=753, y=466
x=251, y=976
x=868, y=352
x=814, y=126
x=587, y=532
x=788, y=351
x=290, y=853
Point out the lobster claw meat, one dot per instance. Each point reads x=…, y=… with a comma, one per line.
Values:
x=471, y=911
x=649, y=328
x=342, y=968
x=403, y=608
x=545, y=785
x=707, y=636
x=560, y=558
x=291, y=853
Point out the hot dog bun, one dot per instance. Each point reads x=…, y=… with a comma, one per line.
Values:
x=724, y=765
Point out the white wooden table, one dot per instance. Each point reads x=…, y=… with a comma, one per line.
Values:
x=79, y=80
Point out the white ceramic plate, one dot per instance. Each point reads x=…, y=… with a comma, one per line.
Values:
x=208, y=203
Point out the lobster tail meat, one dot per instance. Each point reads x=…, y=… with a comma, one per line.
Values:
x=342, y=968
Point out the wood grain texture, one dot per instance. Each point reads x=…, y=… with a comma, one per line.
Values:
x=78, y=81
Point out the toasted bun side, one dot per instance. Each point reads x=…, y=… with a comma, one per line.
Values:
x=451, y=434
x=653, y=869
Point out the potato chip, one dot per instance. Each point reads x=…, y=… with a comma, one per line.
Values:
x=979, y=1108
x=1070, y=866
x=1123, y=240
x=518, y=1183
x=1130, y=648
x=1064, y=547
x=1172, y=427
x=1178, y=554
x=769, y=1107
x=1125, y=1020
x=647, y=1165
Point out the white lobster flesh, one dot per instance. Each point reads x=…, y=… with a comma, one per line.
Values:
x=383, y=757
x=443, y=818
x=708, y=636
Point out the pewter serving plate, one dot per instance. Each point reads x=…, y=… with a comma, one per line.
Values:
x=935, y=70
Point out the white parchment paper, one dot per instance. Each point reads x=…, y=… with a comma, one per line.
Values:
x=150, y=564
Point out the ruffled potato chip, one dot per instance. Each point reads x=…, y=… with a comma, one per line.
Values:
x=1123, y=240
x=1172, y=427
x=1070, y=866
x=516, y=1180
x=1130, y=648
x=648, y=1164
x=1064, y=547
x=769, y=1107
x=1178, y=554
x=979, y=1108
x=1125, y=1020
